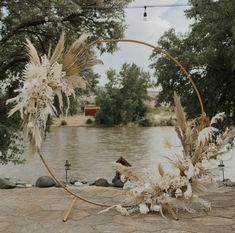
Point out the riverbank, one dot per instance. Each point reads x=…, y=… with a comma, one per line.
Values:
x=161, y=119
x=35, y=210
x=77, y=120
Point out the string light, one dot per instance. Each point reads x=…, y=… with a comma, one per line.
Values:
x=136, y=7
x=145, y=13
x=155, y=6
x=159, y=5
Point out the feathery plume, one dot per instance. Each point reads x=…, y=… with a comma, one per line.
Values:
x=32, y=53
x=180, y=113
x=57, y=54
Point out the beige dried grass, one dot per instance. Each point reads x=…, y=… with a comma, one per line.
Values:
x=179, y=112
x=57, y=54
x=32, y=53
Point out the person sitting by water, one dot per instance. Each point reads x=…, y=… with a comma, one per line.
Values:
x=117, y=181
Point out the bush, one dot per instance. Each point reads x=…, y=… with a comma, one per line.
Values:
x=63, y=122
x=147, y=121
x=89, y=121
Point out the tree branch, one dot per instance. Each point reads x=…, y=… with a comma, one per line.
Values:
x=12, y=63
x=21, y=26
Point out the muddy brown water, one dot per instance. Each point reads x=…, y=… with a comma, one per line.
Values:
x=92, y=151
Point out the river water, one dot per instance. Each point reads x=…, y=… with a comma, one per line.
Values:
x=92, y=151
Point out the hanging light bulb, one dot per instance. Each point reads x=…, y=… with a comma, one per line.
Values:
x=197, y=17
x=145, y=13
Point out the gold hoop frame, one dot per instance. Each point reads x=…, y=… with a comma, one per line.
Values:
x=159, y=50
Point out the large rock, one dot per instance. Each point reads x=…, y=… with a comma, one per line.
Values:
x=73, y=180
x=101, y=182
x=117, y=182
x=6, y=184
x=229, y=183
x=57, y=185
x=226, y=182
x=45, y=182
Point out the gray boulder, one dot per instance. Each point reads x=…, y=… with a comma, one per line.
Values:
x=229, y=183
x=6, y=184
x=45, y=182
x=117, y=182
x=57, y=185
x=73, y=180
x=101, y=182
x=226, y=182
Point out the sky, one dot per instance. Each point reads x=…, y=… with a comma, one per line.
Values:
x=158, y=21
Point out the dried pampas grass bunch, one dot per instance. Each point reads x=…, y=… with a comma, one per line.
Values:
x=202, y=144
x=54, y=74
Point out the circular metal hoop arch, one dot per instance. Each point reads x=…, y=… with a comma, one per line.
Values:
x=159, y=50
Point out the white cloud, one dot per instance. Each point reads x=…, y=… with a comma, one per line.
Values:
x=158, y=21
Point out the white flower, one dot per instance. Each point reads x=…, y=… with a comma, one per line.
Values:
x=128, y=185
x=156, y=208
x=136, y=191
x=190, y=172
x=178, y=193
x=176, y=182
x=188, y=193
x=123, y=178
x=30, y=125
x=122, y=210
x=183, y=181
x=206, y=134
x=143, y=208
x=218, y=116
x=148, y=198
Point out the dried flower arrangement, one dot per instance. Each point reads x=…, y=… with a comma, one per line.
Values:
x=56, y=74
x=202, y=145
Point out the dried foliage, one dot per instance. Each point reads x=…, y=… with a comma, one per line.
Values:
x=46, y=77
x=194, y=169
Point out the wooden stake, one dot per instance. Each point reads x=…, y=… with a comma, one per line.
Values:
x=69, y=209
x=171, y=211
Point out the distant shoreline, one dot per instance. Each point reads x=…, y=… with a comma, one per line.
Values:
x=76, y=120
x=81, y=121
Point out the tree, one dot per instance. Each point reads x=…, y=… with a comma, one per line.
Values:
x=123, y=101
x=207, y=52
x=10, y=145
x=42, y=22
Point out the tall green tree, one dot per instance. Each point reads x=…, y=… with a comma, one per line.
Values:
x=123, y=100
x=42, y=22
x=207, y=51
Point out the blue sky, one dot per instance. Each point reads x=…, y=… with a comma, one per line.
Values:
x=158, y=21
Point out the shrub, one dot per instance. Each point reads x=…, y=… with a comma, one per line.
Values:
x=89, y=121
x=63, y=122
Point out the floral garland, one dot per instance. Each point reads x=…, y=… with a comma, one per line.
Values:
x=46, y=77
x=195, y=169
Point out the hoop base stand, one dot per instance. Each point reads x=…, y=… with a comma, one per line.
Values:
x=67, y=213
